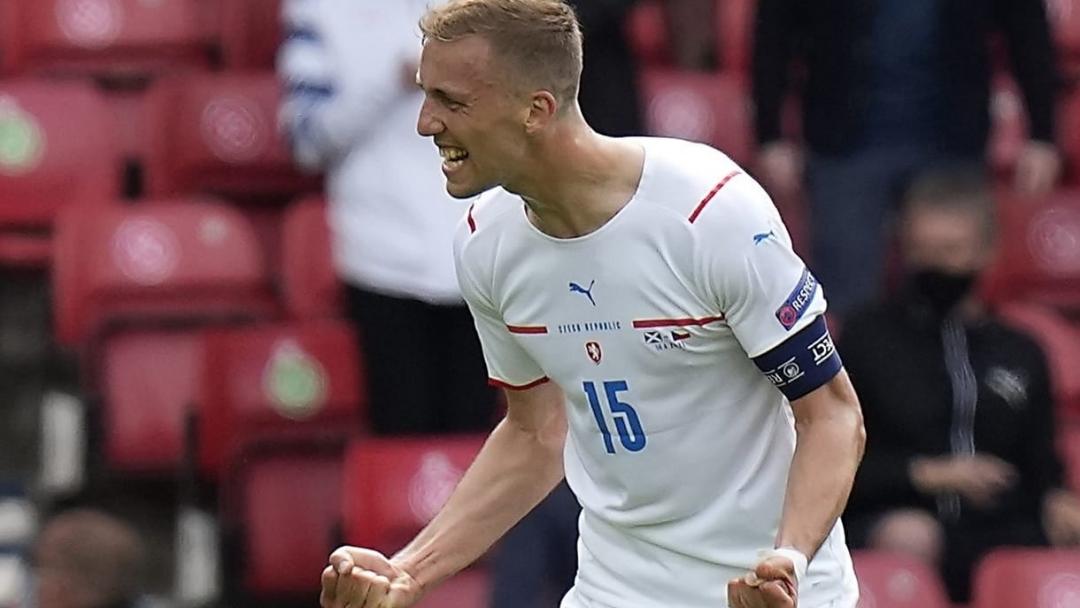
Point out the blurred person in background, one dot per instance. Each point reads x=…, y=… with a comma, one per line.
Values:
x=88, y=559
x=958, y=407
x=891, y=87
x=349, y=68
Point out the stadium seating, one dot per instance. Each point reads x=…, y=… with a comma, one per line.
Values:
x=217, y=133
x=284, y=521
x=735, y=33
x=149, y=381
x=56, y=150
x=166, y=262
x=650, y=38
x=250, y=33
x=896, y=581
x=309, y=281
x=106, y=38
x=288, y=382
x=1065, y=21
x=1039, y=257
x=393, y=487
x=710, y=108
x=1011, y=578
x=1060, y=342
x=646, y=28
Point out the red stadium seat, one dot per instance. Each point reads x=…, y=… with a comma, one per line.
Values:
x=1039, y=256
x=709, y=108
x=57, y=150
x=107, y=38
x=896, y=581
x=286, y=520
x=309, y=279
x=468, y=589
x=1060, y=342
x=217, y=133
x=1064, y=18
x=288, y=382
x=1039, y=578
x=250, y=33
x=646, y=28
x=650, y=35
x=393, y=487
x=148, y=385
x=735, y=32
x=188, y=260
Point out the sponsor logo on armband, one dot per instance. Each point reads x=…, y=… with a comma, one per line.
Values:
x=822, y=348
x=797, y=301
x=785, y=373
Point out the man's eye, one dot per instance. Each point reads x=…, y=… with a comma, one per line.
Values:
x=454, y=106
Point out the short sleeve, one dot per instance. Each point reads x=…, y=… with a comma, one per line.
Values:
x=508, y=364
x=766, y=292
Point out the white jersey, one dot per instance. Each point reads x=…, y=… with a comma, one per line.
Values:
x=679, y=445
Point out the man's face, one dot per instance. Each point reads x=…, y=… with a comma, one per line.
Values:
x=950, y=240
x=471, y=113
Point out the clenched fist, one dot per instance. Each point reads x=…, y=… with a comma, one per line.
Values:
x=362, y=578
x=772, y=584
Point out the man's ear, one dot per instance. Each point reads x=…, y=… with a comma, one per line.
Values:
x=542, y=109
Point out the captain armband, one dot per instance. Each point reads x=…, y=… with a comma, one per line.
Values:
x=803, y=362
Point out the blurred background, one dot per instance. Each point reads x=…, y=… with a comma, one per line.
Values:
x=230, y=337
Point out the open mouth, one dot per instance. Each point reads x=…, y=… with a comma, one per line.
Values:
x=453, y=158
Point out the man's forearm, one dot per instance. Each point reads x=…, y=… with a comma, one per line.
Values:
x=513, y=472
x=822, y=471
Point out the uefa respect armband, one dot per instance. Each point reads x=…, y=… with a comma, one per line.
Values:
x=803, y=362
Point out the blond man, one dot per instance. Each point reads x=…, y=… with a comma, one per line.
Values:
x=659, y=343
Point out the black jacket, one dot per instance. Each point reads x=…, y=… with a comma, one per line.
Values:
x=832, y=39
x=895, y=356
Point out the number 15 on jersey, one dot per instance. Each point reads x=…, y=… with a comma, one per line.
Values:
x=625, y=417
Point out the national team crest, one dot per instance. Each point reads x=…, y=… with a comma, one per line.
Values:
x=593, y=350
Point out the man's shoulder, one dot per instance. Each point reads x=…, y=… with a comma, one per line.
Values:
x=697, y=181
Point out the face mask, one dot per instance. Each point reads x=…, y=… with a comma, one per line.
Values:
x=942, y=289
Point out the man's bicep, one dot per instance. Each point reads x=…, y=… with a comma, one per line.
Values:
x=538, y=408
x=834, y=397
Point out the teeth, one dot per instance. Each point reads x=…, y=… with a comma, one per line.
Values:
x=453, y=153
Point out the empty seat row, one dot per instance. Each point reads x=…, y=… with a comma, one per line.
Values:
x=198, y=133
x=136, y=38
x=382, y=493
x=1006, y=578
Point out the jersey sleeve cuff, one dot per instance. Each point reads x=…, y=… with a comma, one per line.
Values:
x=517, y=387
x=802, y=363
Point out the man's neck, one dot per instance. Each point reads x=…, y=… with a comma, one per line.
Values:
x=578, y=180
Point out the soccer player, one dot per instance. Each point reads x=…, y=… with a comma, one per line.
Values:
x=658, y=340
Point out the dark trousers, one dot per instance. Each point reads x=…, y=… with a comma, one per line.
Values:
x=425, y=368
x=852, y=198
x=535, y=563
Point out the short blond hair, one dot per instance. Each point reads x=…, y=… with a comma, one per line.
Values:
x=540, y=39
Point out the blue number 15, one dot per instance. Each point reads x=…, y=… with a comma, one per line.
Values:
x=627, y=423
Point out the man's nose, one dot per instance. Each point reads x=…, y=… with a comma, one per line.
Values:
x=427, y=124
